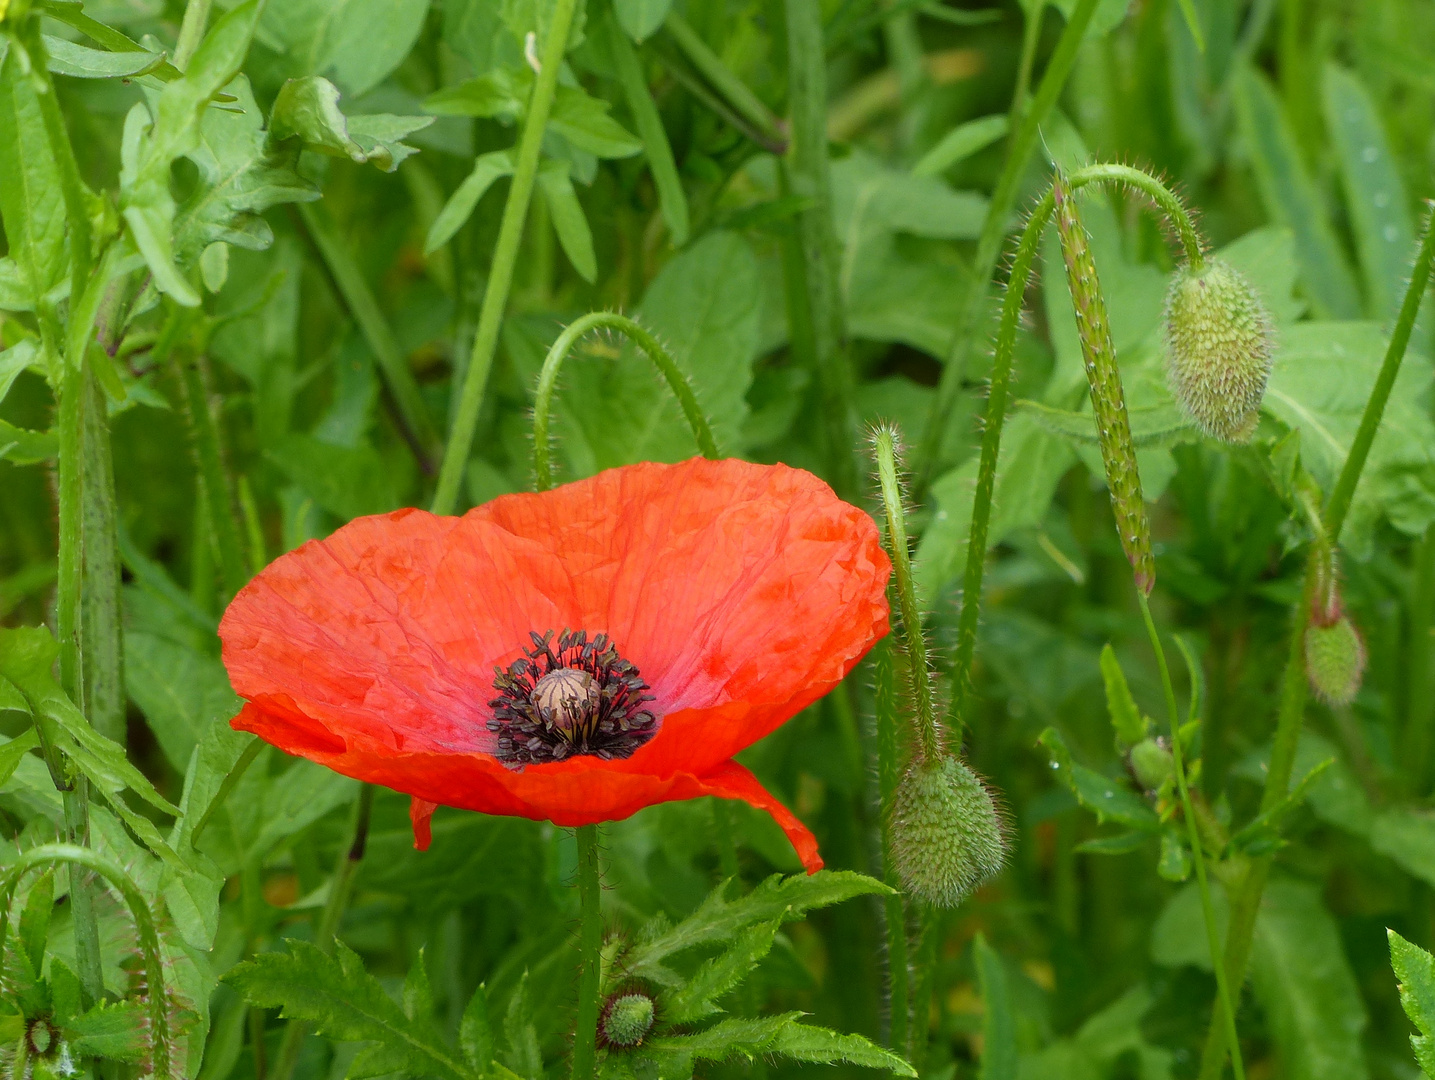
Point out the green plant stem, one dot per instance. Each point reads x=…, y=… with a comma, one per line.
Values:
x=191, y=31
x=729, y=87
x=989, y=243
x=341, y=891
x=505, y=254
x=100, y=631
x=364, y=308
x=889, y=775
x=590, y=945
x=1213, y=933
x=1415, y=739
x=810, y=179
x=931, y=935
x=651, y=346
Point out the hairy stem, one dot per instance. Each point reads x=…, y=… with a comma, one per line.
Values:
x=590, y=945
x=889, y=775
x=1193, y=835
x=651, y=346
x=505, y=255
x=989, y=243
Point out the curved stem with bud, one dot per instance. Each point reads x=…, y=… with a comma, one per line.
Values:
x=645, y=340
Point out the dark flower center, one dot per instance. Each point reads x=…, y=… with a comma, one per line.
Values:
x=569, y=697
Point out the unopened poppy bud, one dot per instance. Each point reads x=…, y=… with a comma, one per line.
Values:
x=1118, y=454
x=1335, y=661
x=1152, y=763
x=947, y=835
x=626, y=1019
x=1219, y=341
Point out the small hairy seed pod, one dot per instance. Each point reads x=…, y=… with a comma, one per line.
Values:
x=627, y=1018
x=1152, y=763
x=1219, y=341
x=947, y=835
x=1118, y=454
x=1335, y=661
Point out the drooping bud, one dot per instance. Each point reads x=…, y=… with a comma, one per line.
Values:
x=1152, y=763
x=947, y=834
x=1219, y=342
x=626, y=1019
x=1335, y=660
x=1118, y=454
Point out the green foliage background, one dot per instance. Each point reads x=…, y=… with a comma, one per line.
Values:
x=337, y=239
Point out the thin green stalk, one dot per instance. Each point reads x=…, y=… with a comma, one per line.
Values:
x=553, y=364
x=1415, y=739
x=932, y=923
x=100, y=634
x=989, y=243
x=732, y=89
x=191, y=31
x=341, y=891
x=505, y=255
x=364, y=308
x=889, y=775
x=1213, y=933
x=590, y=946
x=1030, y=39
x=809, y=175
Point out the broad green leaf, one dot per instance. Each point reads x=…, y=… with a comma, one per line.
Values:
x=960, y=143
x=641, y=18
x=358, y=42
x=1320, y=382
x=181, y=692
x=1126, y=719
x=294, y=800
x=307, y=109
x=1105, y=1046
x=1029, y=465
x=568, y=219
x=1374, y=191
x=487, y=170
x=1290, y=197
x=1408, y=837
x=1415, y=968
x=802, y=1042
x=697, y=997
x=25, y=447
x=31, y=205
x=502, y=93
x=118, y=1031
x=13, y=751
x=343, y=1001
x=868, y=196
x=1108, y=800
x=735, y=1038
x=347, y=481
x=584, y=121
x=14, y=283
x=1155, y=423
x=999, y=1049
x=66, y=58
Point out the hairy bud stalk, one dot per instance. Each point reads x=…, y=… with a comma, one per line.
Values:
x=1114, y=430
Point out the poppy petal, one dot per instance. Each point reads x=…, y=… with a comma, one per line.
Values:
x=421, y=814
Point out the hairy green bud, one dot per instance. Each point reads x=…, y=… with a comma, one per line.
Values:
x=627, y=1018
x=1152, y=763
x=1219, y=340
x=1334, y=660
x=947, y=834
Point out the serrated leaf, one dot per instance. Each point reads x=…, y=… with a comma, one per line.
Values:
x=802, y=1042
x=475, y=1033
x=1415, y=968
x=737, y=1037
x=521, y=1054
x=31, y=205
x=1130, y=726
x=418, y=996
x=345, y=1002
x=1105, y=798
x=118, y=1031
x=697, y=997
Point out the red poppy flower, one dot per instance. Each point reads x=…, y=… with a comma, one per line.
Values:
x=571, y=656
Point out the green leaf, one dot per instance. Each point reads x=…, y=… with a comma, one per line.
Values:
x=475, y=1033
x=487, y=169
x=697, y=998
x=307, y=109
x=1374, y=191
x=344, y=1002
x=31, y=204
x=659, y=150
x=14, y=750
x=1290, y=197
x=584, y=121
x=1102, y=796
x=567, y=216
x=1154, y=424
x=14, y=284
x=1415, y=968
x=999, y=1048
x=1130, y=726
x=347, y=481
x=358, y=42
x=35, y=920
x=641, y=18
x=1320, y=382
x=720, y=920
x=1120, y=844
x=23, y=447
x=502, y=94
x=66, y=58
x=960, y=143
x=118, y=1031
x=180, y=691
x=1408, y=837
x=802, y=1042
x=521, y=1053
x=737, y=1037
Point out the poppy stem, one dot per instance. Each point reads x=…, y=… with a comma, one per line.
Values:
x=505, y=257
x=889, y=775
x=645, y=340
x=590, y=946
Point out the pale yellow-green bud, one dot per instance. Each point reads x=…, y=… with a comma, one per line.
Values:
x=1219, y=341
x=1152, y=763
x=947, y=833
x=1334, y=660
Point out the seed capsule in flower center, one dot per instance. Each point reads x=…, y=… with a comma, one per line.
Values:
x=566, y=698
